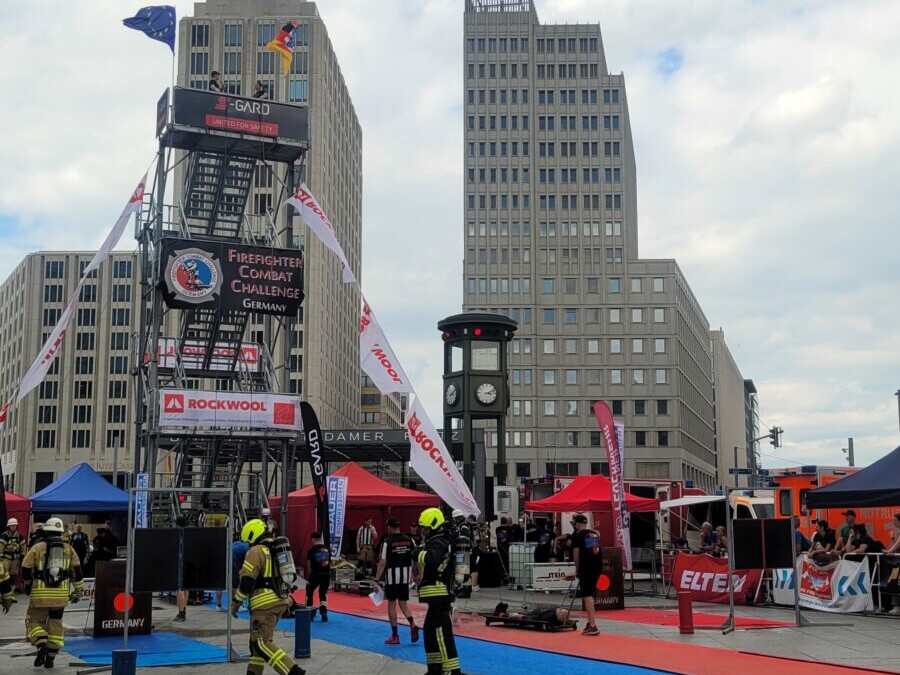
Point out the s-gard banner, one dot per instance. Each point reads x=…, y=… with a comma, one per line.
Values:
x=215, y=275
x=228, y=410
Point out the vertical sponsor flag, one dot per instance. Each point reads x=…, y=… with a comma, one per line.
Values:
x=337, y=509
x=433, y=462
x=157, y=23
x=4, y=413
x=50, y=350
x=141, y=513
x=283, y=43
x=317, y=467
x=610, y=433
x=318, y=222
x=376, y=356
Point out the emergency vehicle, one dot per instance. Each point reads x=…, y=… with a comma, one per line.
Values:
x=802, y=479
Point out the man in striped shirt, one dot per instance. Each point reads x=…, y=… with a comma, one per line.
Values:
x=395, y=568
x=366, y=537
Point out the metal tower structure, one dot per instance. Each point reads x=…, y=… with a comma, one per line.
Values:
x=213, y=145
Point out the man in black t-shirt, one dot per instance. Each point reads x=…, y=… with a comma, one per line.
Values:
x=588, y=565
x=395, y=568
x=544, y=544
x=318, y=575
x=215, y=82
x=823, y=543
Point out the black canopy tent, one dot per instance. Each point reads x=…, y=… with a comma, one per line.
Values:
x=876, y=485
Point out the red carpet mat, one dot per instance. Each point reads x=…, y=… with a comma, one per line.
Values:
x=674, y=657
x=669, y=617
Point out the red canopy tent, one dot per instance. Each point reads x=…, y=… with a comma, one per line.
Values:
x=367, y=497
x=592, y=494
x=19, y=508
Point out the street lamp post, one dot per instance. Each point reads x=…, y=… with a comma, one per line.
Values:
x=897, y=394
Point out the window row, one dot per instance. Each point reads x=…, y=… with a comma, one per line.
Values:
x=494, y=96
x=552, y=71
x=233, y=34
x=567, y=202
x=567, y=45
x=613, y=228
x=497, y=45
x=495, y=70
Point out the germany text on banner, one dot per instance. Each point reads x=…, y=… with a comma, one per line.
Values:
x=377, y=358
x=609, y=431
x=49, y=351
x=318, y=222
x=430, y=458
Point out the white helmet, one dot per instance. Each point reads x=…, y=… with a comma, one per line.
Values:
x=12, y=521
x=53, y=525
x=457, y=513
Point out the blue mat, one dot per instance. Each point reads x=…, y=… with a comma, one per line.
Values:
x=157, y=649
x=478, y=657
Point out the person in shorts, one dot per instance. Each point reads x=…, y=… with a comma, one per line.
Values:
x=318, y=575
x=395, y=572
x=588, y=566
x=366, y=537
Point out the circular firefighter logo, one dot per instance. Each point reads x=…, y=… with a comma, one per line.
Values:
x=193, y=275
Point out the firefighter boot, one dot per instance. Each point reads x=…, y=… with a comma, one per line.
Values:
x=41, y=656
x=51, y=657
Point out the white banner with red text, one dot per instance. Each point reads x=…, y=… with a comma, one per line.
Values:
x=228, y=409
x=429, y=457
x=613, y=438
x=841, y=586
x=313, y=215
x=38, y=370
x=377, y=357
x=706, y=578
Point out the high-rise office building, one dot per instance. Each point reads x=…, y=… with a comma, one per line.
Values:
x=551, y=240
x=731, y=421
x=230, y=36
x=83, y=411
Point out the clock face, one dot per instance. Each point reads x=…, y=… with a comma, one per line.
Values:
x=451, y=394
x=486, y=393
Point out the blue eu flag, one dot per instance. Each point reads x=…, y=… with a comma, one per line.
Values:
x=157, y=23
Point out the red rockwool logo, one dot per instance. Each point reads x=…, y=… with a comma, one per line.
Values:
x=285, y=413
x=225, y=404
x=427, y=445
x=386, y=364
x=309, y=202
x=174, y=403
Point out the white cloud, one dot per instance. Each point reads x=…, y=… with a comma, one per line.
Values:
x=766, y=165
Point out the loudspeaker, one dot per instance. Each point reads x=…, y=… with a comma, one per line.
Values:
x=778, y=539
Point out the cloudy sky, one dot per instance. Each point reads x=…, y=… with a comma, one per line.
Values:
x=767, y=137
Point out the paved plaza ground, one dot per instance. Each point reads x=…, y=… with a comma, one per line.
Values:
x=871, y=642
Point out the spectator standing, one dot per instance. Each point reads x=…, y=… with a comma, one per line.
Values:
x=477, y=543
x=12, y=549
x=318, y=575
x=544, y=546
x=588, y=565
x=215, y=82
x=80, y=542
x=846, y=530
x=395, y=568
x=260, y=91
x=366, y=536
x=181, y=595
x=801, y=543
x=415, y=535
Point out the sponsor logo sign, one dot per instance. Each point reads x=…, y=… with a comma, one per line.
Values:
x=840, y=586
x=551, y=576
x=337, y=505
x=197, y=108
x=707, y=579
x=141, y=513
x=223, y=276
x=220, y=409
x=193, y=354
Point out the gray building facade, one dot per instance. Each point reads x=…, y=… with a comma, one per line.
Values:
x=551, y=239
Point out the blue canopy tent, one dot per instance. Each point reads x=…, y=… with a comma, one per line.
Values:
x=79, y=490
x=876, y=485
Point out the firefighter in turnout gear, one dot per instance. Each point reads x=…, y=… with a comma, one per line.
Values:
x=48, y=568
x=436, y=571
x=6, y=588
x=268, y=595
x=12, y=549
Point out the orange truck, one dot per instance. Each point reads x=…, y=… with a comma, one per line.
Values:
x=792, y=485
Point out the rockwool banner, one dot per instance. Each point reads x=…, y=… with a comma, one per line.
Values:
x=228, y=409
x=195, y=273
x=707, y=579
x=376, y=356
x=841, y=586
x=429, y=457
x=193, y=355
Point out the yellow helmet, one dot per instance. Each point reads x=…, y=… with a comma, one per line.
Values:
x=432, y=518
x=253, y=530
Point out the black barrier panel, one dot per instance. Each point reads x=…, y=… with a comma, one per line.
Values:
x=204, y=557
x=156, y=559
x=611, y=596
x=747, y=543
x=110, y=600
x=778, y=539
x=239, y=115
x=197, y=273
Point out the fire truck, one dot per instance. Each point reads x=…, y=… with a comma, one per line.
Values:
x=802, y=479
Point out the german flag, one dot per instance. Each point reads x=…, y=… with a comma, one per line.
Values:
x=284, y=44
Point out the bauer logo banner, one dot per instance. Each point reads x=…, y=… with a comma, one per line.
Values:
x=429, y=457
x=214, y=275
x=376, y=356
x=227, y=409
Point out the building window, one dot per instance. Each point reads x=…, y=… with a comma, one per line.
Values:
x=615, y=285
x=122, y=269
x=598, y=468
x=523, y=470
x=53, y=293
x=640, y=438
x=118, y=389
x=84, y=389
x=637, y=285
x=659, y=315
x=638, y=376
x=43, y=478
x=47, y=414
x=659, y=284
x=88, y=293
x=659, y=345
x=572, y=438
x=371, y=417
x=234, y=34
x=662, y=407
x=662, y=438
x=265, y=63
x=640, y=407
x=118, y=365
x=199, y=63
x=115, y=438
x=549, y=316
x=84, y=365
x=615, y=376
x=571, y=377
x=637, y=315
x=299, y=91
x=199, y=35
x=549, y=377
x=81, y=438
x=593, y=346
x=54, y=269
x=121, y=293
x=549, y=408
x=615, y=346
x=115, y=414
x=571, y=407
x=265, y=33
x=84, y=342
x=661, y=376
x=121, y=317
x=617, y=407
x=549, y=346
x=637, y=346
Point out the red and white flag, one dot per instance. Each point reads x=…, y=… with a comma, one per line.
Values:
x=611, y=438
x=4, y=413
x=38, y=370
x=318, y=222
x=377, y=358
x=429, y=457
